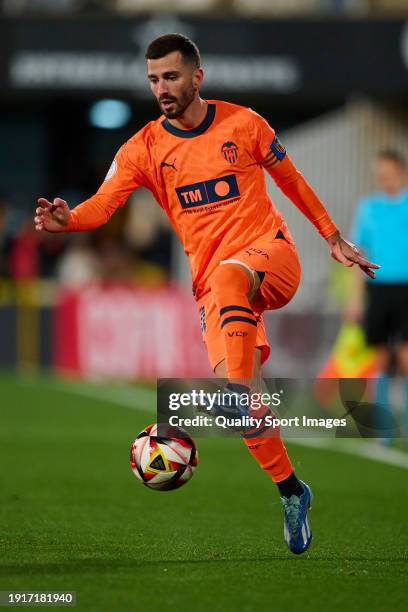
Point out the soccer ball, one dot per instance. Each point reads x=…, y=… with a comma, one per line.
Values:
x=163, y=462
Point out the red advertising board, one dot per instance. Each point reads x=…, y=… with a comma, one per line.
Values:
x=124, y=332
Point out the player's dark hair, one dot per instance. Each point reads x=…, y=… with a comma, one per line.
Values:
x=394, y=156
x=162, y=46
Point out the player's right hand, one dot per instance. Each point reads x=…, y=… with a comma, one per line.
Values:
x=52, y=216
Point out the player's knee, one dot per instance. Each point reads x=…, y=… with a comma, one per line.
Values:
x=231, y=276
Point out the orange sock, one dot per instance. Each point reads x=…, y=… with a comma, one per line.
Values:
x=230, y=285
x=267, y=448
x=271, y=455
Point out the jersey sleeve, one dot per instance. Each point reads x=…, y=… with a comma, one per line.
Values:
x=125, y=174
x=271, y=154
x=262, y=136
x=297, y=189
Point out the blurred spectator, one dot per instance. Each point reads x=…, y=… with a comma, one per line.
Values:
x=147, y=229
x=50, y=249
x=380, y=228
x=79, y=264
x=117, y=263
x=114, y=262
x=25, y=254
x=18, y=242
x=24, y=263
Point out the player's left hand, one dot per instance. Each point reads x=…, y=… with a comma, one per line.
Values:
x=347, y=253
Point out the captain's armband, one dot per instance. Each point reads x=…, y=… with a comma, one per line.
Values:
x=276, y=154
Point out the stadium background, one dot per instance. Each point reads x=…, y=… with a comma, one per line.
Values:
x=331, y=77
x=332, y=82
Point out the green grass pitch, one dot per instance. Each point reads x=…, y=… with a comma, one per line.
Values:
x=74, y=517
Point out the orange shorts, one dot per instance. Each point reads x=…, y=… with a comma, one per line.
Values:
x=276, y=261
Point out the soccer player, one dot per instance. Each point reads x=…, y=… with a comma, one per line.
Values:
x=203, y=160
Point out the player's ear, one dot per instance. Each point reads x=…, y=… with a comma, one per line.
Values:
x=198, y=77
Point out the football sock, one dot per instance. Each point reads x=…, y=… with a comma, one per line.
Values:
x=230, y=285
x=290, y=486
x=271, y=456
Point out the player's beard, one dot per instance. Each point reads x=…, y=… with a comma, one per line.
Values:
x=180, y=104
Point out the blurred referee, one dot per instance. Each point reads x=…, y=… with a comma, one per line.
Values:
x=380, y=229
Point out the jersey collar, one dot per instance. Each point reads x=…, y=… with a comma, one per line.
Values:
x=200, y=129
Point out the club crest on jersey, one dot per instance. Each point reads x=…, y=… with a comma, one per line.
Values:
x=230, y=151
x=278, y=148
x=208, y=192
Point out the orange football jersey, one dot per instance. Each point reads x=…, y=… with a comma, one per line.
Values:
x=211, y=183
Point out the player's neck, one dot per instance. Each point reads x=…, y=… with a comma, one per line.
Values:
x=192, y=117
